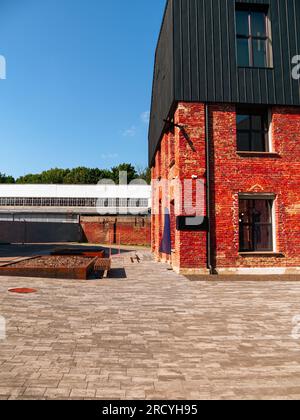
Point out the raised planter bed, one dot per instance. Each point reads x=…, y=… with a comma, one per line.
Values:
x=74, y=267
x=103, y=264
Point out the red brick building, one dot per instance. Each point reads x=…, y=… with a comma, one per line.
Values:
x=224, y=137
x=115, y=230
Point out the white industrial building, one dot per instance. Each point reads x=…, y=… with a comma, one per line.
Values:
x=30, y=210
x=42, y=201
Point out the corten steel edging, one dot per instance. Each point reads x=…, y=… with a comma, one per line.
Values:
x=67, y=273
x=16, y=261
x=68, y=253
x=94, y=254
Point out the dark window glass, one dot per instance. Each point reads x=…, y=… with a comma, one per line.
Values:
x=243, y=52
x=254, y=47
x=252, y=131
x=244, y=144
x=256, y=230
x=258, y=142
x=243, y=122
x=258, y=24
x=259, y=53
x=242, y=23
x=257, y=123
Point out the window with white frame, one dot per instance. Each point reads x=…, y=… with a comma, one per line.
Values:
x=254, y=38
x=256, y=224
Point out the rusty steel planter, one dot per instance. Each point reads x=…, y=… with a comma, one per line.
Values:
x=72, y=273
x=70, y=252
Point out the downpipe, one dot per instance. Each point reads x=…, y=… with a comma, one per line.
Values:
x=208, y=194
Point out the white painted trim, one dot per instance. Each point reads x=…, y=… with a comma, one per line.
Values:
x=270, y=134
x=265, y=196
x=241, y=271
x=191, y=271
x=274, y=225
x=263, y=271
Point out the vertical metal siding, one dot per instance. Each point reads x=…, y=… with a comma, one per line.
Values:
x=163, y=80
x=221, y=79
x=204, y=65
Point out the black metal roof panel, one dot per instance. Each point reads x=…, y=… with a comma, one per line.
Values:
x=163, y=80
x=196, y=59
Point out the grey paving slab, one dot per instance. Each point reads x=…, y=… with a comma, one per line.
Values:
x=153, y=334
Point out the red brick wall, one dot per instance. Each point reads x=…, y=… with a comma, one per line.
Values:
x=181, y=155
x=131, y=230
x=95, y=230
x=234, y=174
x=153, y=217
x=134, y=232
x=277, y=173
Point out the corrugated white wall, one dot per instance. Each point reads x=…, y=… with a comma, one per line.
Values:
x=75, y=191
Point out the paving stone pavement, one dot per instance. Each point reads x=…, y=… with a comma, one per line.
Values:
x=153, y=335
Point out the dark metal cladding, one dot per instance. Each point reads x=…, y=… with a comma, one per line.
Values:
x=196, y=59
x=163, y=85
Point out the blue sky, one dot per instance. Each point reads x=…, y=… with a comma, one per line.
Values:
x=78, y=87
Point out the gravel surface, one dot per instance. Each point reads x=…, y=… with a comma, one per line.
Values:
x=55, y=261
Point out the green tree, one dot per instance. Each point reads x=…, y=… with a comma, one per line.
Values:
x=30, y=179
x=106, y=174
x=6, y=179
x=124, y=167
x=54, y=176
x=81, y=175
x=145, y=174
